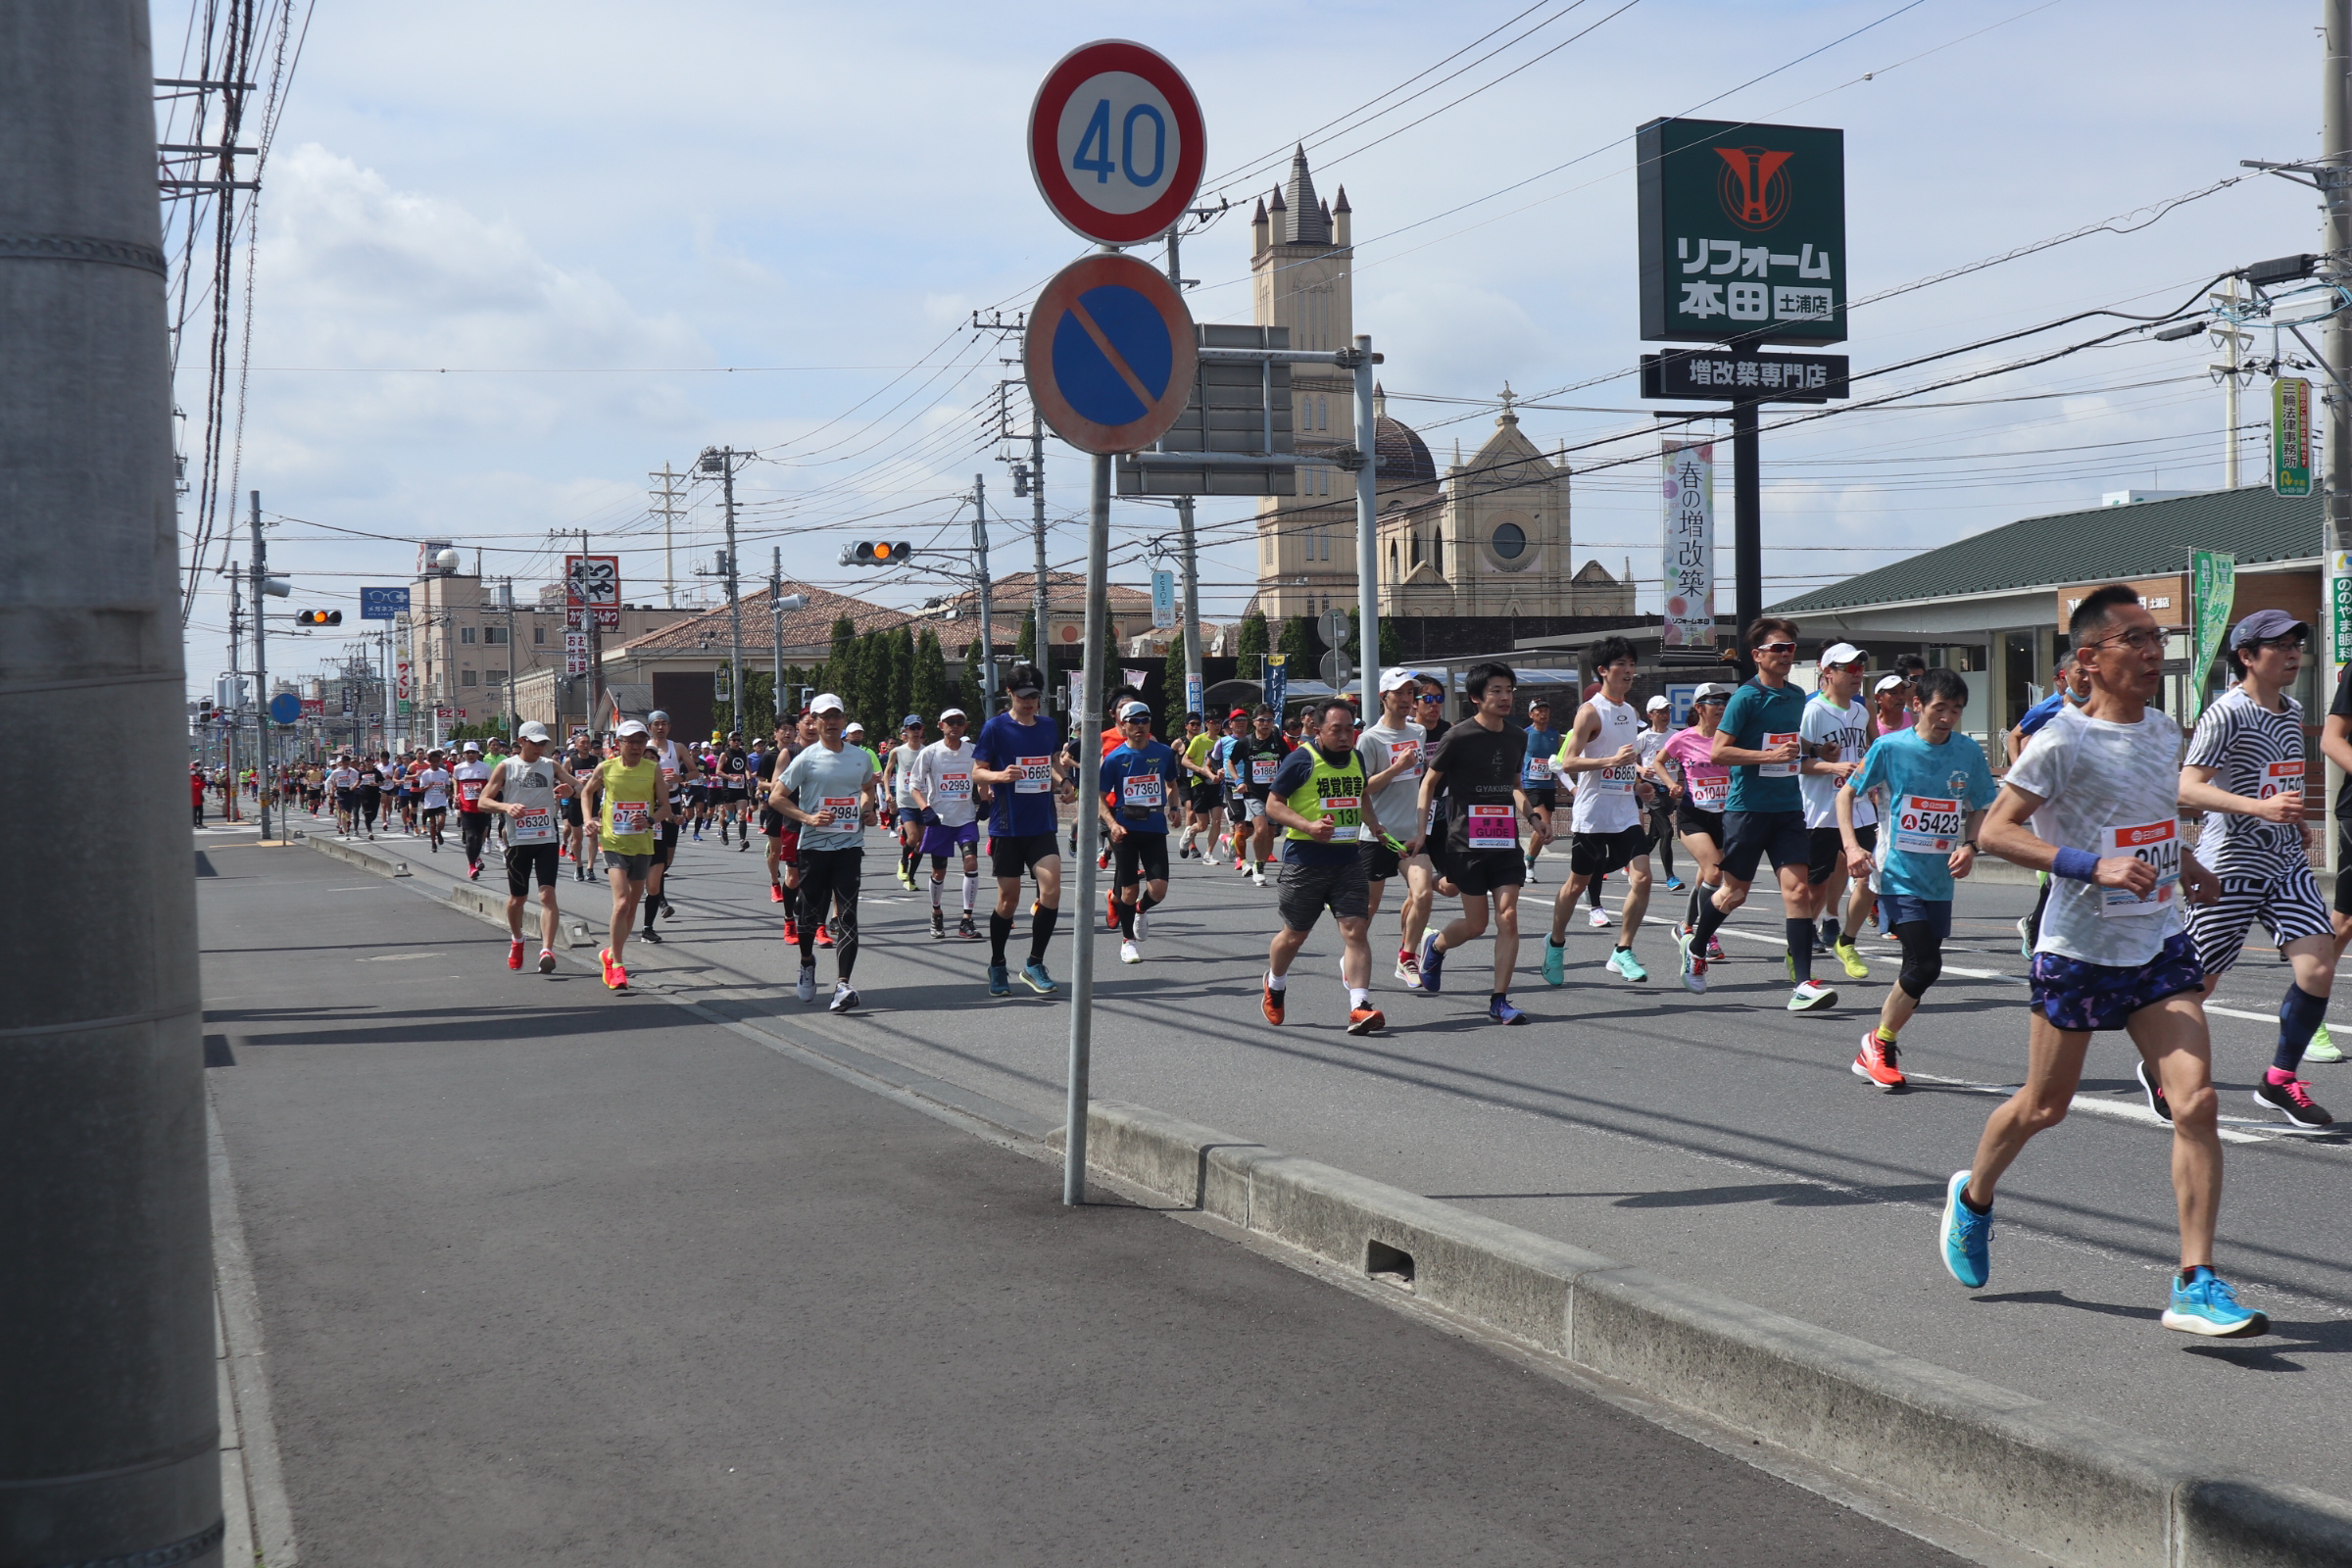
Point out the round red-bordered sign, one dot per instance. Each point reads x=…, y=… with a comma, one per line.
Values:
x=1109, y=354
x=1117, y=141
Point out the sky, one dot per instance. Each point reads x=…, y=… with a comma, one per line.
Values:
x=514, y=258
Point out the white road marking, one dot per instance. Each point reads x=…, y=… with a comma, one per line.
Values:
x=400, y=958
x=2120, y=1109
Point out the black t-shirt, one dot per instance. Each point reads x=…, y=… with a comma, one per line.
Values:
x=2341, y=708
x=1481, y=770
x=1247, y=751
x=732, y=765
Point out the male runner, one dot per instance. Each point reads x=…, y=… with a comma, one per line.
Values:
x=369, y=795
x=581, y=761
x=734, y=787
x=1698, y=787
x=830, y=790
x=1191, y=752
x=1016, y=751
x=1393, y=754
x=345, y=782
x=626, y=797
x=1138, y=781
x=898, y=788
x=766, y=764
x=1230, y=796
x=948, y=808
x=1255, y=756
x=1603, y=752
x=1476, y=768
x=2335, y=743
x=434, y=785
x=1535, y=778
x=1765, y=816
x=679, y=771
x=473, y=823
x=2111, y=953
x=1932, y=787
x=2244, y=769
x=1835, y=733
x=2074, y=686
x=1320, y=799
x=522, y=789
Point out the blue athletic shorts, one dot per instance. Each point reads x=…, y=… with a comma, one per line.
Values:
x=2086, y=998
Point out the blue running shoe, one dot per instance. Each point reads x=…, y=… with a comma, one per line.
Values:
x=1555, y=963
x=1674, y=884
x=1034, y=976
x=999, y=981
x=1967, y=1235
x=1500, y=1008
x=1433, y=963
x=2204, y=1303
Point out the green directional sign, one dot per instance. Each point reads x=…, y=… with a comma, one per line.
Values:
x=1742, y=231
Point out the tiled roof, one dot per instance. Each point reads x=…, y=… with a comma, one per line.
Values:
x=811, y=626
x=2144, y=539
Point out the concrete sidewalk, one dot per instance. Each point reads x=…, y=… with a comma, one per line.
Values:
x=547, y=1274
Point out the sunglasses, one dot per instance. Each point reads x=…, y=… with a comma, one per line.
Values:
x=1431, y=697
x=1775, y=648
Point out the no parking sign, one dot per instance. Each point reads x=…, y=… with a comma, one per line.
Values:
x=1109, y=354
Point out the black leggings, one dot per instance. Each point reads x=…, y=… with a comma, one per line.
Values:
x=473, y=831
x=1922, y=957
x=830, y=878
x=1661, y=836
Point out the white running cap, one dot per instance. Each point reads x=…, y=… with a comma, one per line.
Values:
x=533, y=730
x=1842, y=654
x=1656, y=703
x=852, y=727
x=1397, y=680
x=630, y=727
x=946, y=714
x=826, y=703
x=1888, y=684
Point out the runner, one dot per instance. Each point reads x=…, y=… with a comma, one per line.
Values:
x=434, y=785
x=2244, y=769
x=1603, y=752
x=1887, y=715
x=2111, y=953
x=1200, y=786
x=1256, y=758
x=1476, y=768
x=787, y=834
x=1138, y=780
x=679, y=769
x=1321, y=800
x=473, y=823
x=1393, y=754
x=830, y=790
x=1658, y=713
x=1016, y=750
x=522, y=790
x=1700, y=787
x=766, y=763
x=898, y=788
x=345, y=782
x=1932, y=787
x=948, y=807
x=369, y=795
x=1230, y=794
x=734, y=792
x=628, y=799
x=1835, y=734
x=1535, y=778
x=582, y=762
x=1764, y=816
x=2074, y=686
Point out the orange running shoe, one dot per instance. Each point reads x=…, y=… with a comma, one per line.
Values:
x=604, y=960
x=617, y=978
x=1877, y=1062
x=1366, y=1020
x=1273, y=1006
x=515, y=954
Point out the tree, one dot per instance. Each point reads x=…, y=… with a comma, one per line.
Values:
x=1024, y=645
x=1392, y=640
x=902, y=675
x=1251, y=647
x=840, y=660
x=1299, y=640
x=869, y=688
x=929, y=693
x=968, y=695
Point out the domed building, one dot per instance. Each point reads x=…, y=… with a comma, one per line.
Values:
x=1475, y=556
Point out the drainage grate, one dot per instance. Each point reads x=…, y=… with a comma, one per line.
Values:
x=1388, y=1264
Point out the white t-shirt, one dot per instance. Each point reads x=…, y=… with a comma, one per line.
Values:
x=2110, y=789
x=1605, y=801
x=944, y=774
x=469, y=777
x=531, y=785
x=1398, y=805
x=434, y=782
x=1847, y=729
x=902, y=774
x=344, y=778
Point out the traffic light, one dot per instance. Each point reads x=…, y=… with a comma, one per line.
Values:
x=875, y=553
x=318, y=617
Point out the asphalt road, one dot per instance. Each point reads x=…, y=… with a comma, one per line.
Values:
x=1719, y=1139
x=550, y=1275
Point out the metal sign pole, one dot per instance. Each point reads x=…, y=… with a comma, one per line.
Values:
x=1090, y=830
x=1367, y=529
x=988, y=622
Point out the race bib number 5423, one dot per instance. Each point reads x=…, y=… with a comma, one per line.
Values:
x=1926, y=827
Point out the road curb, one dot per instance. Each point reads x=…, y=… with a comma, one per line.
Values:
x=2054, y=1481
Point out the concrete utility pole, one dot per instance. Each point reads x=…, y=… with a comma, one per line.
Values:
x=261, y=668
x=506, y=594
x=988, y=613
x=2336, y=245
x=2232, y=340
x=1037, y=527
x=775, y=611
x=236, y=683
x=1747, y=529
x=669, y=496
x=109, y=1432
x=1188, y=554
x=596, y=644
x=1367, y=533
x=726, y=457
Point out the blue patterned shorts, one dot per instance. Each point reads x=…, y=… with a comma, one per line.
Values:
x=2086, y=998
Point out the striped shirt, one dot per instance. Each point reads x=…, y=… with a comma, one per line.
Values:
x=2256, y=752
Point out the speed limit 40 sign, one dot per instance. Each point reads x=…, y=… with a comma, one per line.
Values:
x=1117, y=142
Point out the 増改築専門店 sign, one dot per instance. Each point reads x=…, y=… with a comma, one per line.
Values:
x=1743, y=232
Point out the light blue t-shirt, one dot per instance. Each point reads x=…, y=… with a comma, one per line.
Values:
x=1928, y=793
x=818, y=778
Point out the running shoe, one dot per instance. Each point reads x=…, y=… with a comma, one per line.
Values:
x=742, y=842
x=2025, y=936
x=547, y=961
x=1270, y=1003
x=999, y=981
x=473, y=872
x=1599, y=916
x=1674, y=884
x=515, y=954
x=1851, y=956
x=1034, y=976
x=965, y=929
x=2293, y=1099
x=1623, y=962
x=2204, y=1303
x=1366, y=1020
x=1408, y=968
x=1555, y=963
x=1143, y=923
x=939, y=923
x=1880, y=1063
x=775, y=893
x=1111, y=911
x=844, y=997
x=791, y=932
x=1715, y=949
x=1694, y=963
x=1258, y=876
x=1811, y=995
x=1967, y=1235
x=1533, y=880
x=649, y=934
x=2322, y=1049
x=1129, y=953
x=698, y=835
x=603, y=962
x=1433, y=964
x=1500, y=1008
x=2154, y=1091
x=1102, y=860
x=824, y=934
x=805, y=989
x=617, y=978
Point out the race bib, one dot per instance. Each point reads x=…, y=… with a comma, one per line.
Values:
x=1037, y=775
x=1778, y=769
x=1344, y=811
x=470, y=791
x=1261, y=769
x=1925, y=825
x=632, y=816
x=1140, y=792
x=1710, y=794
x=1613, y=781
x=1492, y=827
x=2157, y=844
x=843, y=806
x=2278, y=778
x=954, y=786
x=1538, y=771
x=1398, y=750
x=533, y=824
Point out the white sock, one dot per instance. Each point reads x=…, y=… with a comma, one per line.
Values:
x=1359, y=996
x=1277, y=982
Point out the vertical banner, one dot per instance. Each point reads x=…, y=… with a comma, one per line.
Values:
x=576, y=654
x=1193, y=695
x=1278, y=680
x=1689, y=562
x=2339, y=614
x=2290, y=436
x=1163, y=600
x=2213, y=586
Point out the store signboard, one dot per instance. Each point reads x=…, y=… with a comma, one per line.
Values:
x=2290, y=436
x=1742, y=231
